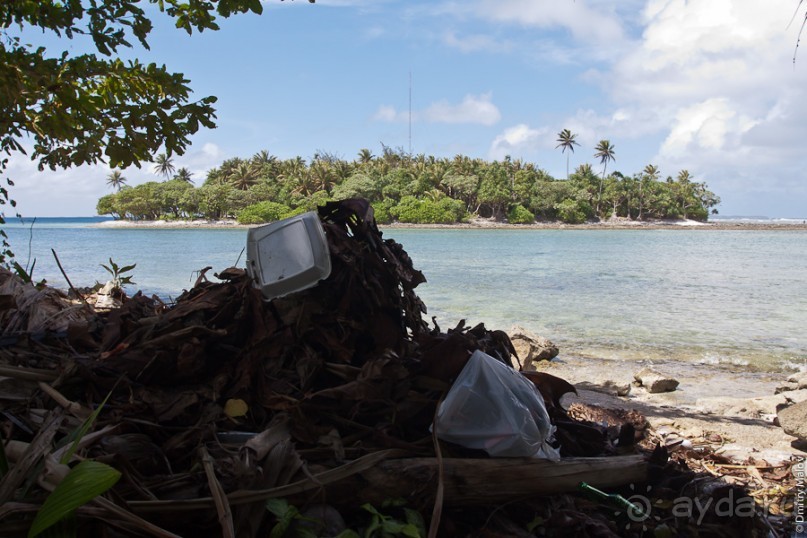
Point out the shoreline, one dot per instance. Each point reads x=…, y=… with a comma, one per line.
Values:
x=737, y=408
x=488, y=224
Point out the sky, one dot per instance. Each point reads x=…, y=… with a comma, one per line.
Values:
x=709, y=86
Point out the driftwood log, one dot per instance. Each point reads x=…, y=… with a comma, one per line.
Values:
x=469, y=481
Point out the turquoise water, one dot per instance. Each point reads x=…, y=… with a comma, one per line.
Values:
x=730, y=297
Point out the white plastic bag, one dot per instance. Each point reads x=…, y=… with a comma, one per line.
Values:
x=492, y=407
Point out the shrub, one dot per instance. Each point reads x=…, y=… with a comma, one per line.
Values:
x=382, y=211
x=443, y=211
x=520, y=215
x=263, y=212
x=570, y=212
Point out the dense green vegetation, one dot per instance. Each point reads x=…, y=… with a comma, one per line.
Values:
x=404, y=188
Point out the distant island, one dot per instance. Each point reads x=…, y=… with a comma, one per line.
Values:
x=408, y=189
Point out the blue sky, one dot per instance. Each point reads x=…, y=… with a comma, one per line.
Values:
x=703, y=85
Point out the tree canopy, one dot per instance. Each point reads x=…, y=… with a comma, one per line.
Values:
x=412, y=188
x=65, y=109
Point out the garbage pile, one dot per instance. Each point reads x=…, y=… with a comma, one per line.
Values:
x=215, y=408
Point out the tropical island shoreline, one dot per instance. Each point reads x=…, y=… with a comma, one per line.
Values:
x=482, y=223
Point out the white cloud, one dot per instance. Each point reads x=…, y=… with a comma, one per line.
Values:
x=389, y=114
x=474, y=109
x=374, y=32
x=516, y=140
x=706, y=125
x=476, y=43
x=588, y=23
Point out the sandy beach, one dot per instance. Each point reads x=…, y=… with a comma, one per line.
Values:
x=730, y=409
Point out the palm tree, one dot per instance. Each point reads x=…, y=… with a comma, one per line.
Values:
x=650, y=173
x=365, y=156
x=164, y=166
x=264, y=157
x=684, y=177
x=183, y=174
x=566, y=140
x=243, y=176
x=265, y=162
x=684, y=188
x=115, y=179
x=605, y=153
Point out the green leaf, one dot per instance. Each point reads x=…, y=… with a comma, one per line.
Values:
x=83, y=483
x=278, y=507
x=285, y=514
x=411, y=531
x=76, y=435
x=127, y=268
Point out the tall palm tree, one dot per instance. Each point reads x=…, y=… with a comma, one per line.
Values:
x=684, y=189
x=566, y=140
x=183, y=174
x=116, y=180
x=605, y=153
x=650, y=173
x=164, y=166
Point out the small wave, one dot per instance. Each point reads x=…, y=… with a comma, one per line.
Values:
x=717, y=359
x=795, y=365
x=758, y=219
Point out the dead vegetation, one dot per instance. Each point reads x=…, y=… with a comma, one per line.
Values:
x=213, y=406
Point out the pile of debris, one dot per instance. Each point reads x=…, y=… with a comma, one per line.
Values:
x=215, y=408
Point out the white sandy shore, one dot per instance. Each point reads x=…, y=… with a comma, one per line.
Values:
x=738, y=406
x=477, y=223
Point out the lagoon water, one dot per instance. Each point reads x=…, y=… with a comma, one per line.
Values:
x=733, y=297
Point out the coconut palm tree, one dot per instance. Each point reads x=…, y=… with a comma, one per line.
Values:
x=116, y=180
x=566, y=140
x=365, y=156
x=164, y=166
x=243, y=176
x=183, y=174
x=605, y=153
x=650, y=173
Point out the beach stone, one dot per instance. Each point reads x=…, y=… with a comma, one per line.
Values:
x=785, y=387
x=530, y=347
x=618, y=389
x=654, y=381
x=793, y=420
x=764, y=406
x=799, y=379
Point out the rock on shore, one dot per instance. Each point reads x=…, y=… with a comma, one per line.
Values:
x=793, y=420
x=530, y=347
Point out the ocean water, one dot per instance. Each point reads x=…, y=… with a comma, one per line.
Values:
x=732, y=297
